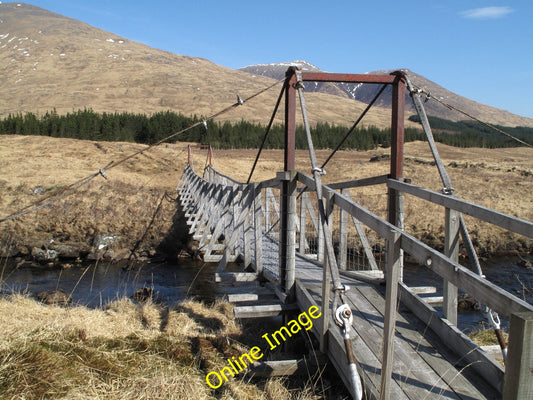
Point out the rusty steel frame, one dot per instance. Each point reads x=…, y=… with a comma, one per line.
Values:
x=396, y=79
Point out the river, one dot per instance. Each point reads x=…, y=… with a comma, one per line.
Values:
x=94, y=285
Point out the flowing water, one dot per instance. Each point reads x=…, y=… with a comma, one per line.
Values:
x=94, y=285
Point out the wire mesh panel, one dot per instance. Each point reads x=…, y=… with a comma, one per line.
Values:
x=271, y=220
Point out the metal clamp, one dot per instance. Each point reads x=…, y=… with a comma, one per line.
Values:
x=448, y=191
x=321, y=171
x=101, y=171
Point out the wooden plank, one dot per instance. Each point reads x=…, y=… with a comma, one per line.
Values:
x=375, y=180
x=505, y=221
x=519, y=365
x=264, y=310
x=423, y=289
x=258, y=228
x=268, y=369
x=368, y=365
x=419, y=366
x=481, y=289
x=451, y=250
x=392, y=276
x=454, y=339
x=240, y=297
x=212, y=258
x=276, y=287
x=235, y=276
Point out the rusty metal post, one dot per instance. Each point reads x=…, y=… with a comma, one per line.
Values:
x=288, y=190
x=397, y=136
x=396, y=198
x=290, y=119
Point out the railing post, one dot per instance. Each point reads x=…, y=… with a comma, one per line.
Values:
x=303, y=222
x=343, y=239
x=451, y=250
x=396, y=198
x=258, y=228
x=288, y=234
x=391, y=300
x=247, y=226
x=518, y=382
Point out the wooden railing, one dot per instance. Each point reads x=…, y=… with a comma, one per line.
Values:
x=231, y=220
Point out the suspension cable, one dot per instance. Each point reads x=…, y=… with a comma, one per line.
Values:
x=267, y=132
x=449, y=106
x=112, y=164
x=354, y=125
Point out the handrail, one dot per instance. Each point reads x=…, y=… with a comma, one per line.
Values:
x=484, y=291
x=204, y=196
x=502, y=220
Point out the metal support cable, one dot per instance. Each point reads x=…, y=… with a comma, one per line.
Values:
x=318, y=180
x=415, y=96
x=267, y=132
x=112, y=164
x=449, y=106
x=355, y=125
x=490, y=315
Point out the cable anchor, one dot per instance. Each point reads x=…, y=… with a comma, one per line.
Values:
x=344, y=319
x=321, y=171
x=101, y=171
x=494, y=320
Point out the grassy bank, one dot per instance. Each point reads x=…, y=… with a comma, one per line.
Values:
x=128, y=351
x=125, y=204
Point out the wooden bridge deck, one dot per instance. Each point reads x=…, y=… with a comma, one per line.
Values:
x=431, y=357
x=423, y=366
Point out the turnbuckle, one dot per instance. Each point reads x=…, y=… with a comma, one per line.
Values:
x=344, y=319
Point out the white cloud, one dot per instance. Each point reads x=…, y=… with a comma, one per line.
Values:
x=487, y=12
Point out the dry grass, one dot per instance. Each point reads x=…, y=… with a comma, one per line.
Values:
x=125, y=351
x=501, y=179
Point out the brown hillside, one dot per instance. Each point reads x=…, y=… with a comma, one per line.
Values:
x=50, y=61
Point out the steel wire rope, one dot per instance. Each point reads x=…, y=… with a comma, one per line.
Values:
x=449, y=106
x=369, y=106
x=112, y=164
x=267, y=132
x=338, y=287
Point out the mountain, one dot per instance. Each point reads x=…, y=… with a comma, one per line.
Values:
x=366, y=92
x=50, y=61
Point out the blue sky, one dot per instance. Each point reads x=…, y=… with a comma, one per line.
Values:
x=480, y=49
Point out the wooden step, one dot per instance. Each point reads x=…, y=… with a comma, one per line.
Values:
x=267, y=369
x=263, y=310
x=235, y=276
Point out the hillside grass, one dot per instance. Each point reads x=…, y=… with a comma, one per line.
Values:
x=125, y=203
x=128, y=351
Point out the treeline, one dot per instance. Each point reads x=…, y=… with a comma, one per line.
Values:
x=90, y=125
x=474, y=134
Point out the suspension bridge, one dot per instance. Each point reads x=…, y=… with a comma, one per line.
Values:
x=292, y=233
